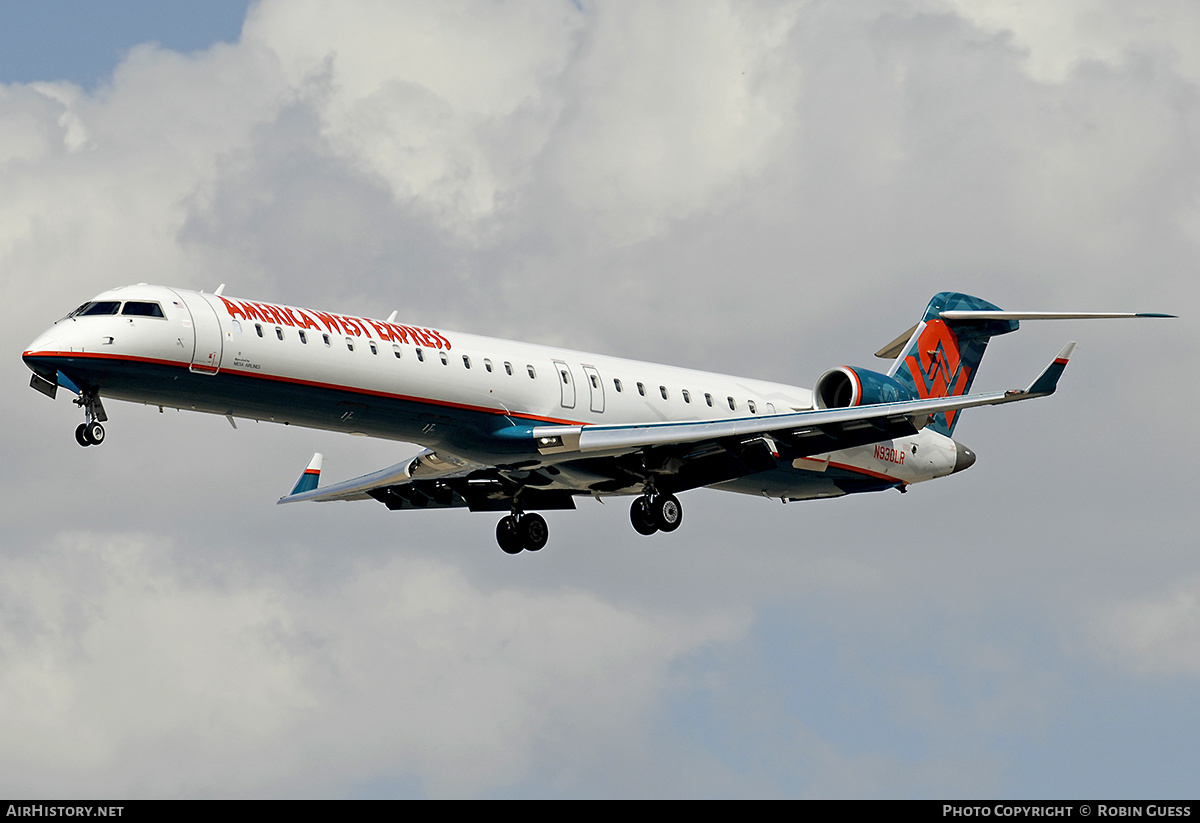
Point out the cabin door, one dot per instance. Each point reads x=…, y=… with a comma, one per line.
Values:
x=206, y=353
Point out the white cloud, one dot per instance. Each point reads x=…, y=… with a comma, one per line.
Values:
x=1058, y=37
x=125, y=676
x=447, y=103
x=672, y=106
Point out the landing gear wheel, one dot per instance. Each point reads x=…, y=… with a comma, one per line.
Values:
x=81, y=435
x=668, y=514
x=534, y=532
x=508, y=535
x=642, y=516
x=93, y=433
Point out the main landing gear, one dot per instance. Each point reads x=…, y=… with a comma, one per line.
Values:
x=652, y=513
x=527, y=531
x=90, y=432
x=522, y=531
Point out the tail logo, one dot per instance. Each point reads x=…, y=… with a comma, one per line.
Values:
x=936, y=365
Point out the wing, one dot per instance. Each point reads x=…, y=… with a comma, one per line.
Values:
x=614, y=459
x=827, y=429
x=441, y=480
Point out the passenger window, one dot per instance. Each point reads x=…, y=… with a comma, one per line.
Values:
x=663, y=390
x=617, y=383
x=396, y=350
x=642, y=389
x=445, y=359
x=279, y=332
x=595, y=382
x=303, y=337
x=566, y=378
x=753, y=408
x=466, y=362
x=421, y=355
x=258, y=328
x=137, y=308
x=687, y=397
x=326, y=338
x=532, y=373
x=374, y=348
x=487, y=364
x=732, y=405
x=708, y=399
x=349, y=344
x=507, y=367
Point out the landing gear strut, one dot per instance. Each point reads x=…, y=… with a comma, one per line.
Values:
x=522, y=531
x=90, y=432
x=656, y=512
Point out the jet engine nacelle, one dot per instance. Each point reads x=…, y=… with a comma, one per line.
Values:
x=844, y=387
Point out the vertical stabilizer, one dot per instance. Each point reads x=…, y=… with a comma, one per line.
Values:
x=941, y=356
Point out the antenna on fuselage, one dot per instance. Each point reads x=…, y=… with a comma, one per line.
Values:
x=392, y=317
x=220, y=289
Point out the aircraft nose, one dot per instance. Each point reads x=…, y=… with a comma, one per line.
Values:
x=964, y=458
x=43, y=344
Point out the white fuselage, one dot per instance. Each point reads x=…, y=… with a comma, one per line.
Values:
x=445, y=390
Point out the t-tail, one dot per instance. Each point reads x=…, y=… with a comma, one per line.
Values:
x=939, y=356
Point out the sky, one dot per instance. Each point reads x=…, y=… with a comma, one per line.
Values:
x=759, y=188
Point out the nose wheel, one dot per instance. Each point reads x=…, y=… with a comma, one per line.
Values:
x=654, y=513
x=522, y=531
x=90, y=432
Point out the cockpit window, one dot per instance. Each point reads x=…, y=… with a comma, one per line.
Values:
x=142, y=309
x=96, y=307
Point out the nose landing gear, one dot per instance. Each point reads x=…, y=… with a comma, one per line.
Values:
x=90, y=432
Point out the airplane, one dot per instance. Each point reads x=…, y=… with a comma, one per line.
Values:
x=520, y=428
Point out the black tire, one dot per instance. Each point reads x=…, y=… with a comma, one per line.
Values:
x=508, y=535
x=642, y=517
x=668, y=514
x=94, y=433
x=81, y=435
x=534, y=531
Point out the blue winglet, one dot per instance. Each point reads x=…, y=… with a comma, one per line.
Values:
x=1047, y=381
x=311, y=477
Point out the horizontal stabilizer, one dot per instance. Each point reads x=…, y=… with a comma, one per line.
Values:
x=1042, y=315
x=894, y=349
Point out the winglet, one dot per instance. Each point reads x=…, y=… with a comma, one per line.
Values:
x=311, y=477
x=1047, y=381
